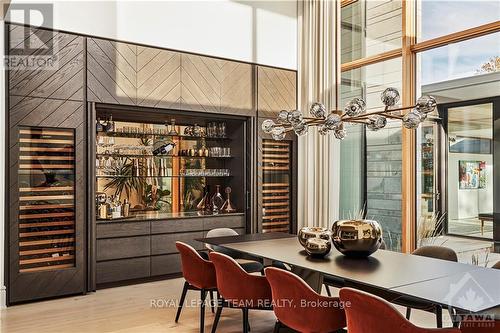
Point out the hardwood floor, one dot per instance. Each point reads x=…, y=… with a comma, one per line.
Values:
x=131, y=309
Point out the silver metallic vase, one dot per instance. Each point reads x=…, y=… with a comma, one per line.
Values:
x=315, y=240
x=357, y=238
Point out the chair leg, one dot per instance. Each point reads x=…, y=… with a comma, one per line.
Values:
x=202, y=310
x=245, y=320
x=328, y=292
x=439, y=316
x=181, y=302
x=217, y=317
x=211, y=297
x=277, y=327
x=408, y=313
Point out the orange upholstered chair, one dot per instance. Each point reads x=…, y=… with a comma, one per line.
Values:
x=239, y=289
x=199, y=275
x=367, y=313
x=300, y=308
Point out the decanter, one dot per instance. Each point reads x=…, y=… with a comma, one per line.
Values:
x=217, y=200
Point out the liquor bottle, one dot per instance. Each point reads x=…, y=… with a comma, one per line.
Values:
x=98, y=126
x=217, y=200
x=110, y=127
x=126, y=208
x=204, y=204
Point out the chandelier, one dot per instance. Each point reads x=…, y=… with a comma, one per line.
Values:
x=354, y=112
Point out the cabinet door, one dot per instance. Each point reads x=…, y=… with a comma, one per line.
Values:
x=53, y=63
x=200, y=83
x=158, y=78
x=276, y=91
x=47, y=198
x=237, y=89
x=111, y=72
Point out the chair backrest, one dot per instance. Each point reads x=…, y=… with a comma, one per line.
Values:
x=220, y=232
x=237, y=286
x=369, y=313
x=437, y=252
x=496, y=266
x=196, y=270
x=299, y=307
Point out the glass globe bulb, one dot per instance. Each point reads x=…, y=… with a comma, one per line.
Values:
x=355, y=107
x=411, y=120
x=283, y=117
x=426, y=104
x=278, y=133
x=267, y=126
x=323, y=130
x=318, y=110
x=301, y=129
x=295, y=117
x=376, y=122
x=340, y=134
x=390, y=96
x=333, y=121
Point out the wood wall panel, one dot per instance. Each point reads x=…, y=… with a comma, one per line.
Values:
x=201, y=79
x=111, y=72
x=158, y=78
x=61, y=64
x=276, y=91
x=237, y=89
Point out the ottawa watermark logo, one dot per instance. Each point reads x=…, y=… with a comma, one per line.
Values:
x=29, y=47
x=467, y=293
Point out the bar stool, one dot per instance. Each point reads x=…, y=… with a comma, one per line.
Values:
x=199, y=275
x=368, y=313
x=238, y=289
x=300, y=308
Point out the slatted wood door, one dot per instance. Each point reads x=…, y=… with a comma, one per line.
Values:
x=276, y=186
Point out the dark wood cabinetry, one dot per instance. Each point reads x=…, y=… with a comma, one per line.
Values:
x=142, y=249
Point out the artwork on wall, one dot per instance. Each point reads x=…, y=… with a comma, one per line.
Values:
x=472, y=174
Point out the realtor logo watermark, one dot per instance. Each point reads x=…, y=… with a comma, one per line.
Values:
x=31, y=48
x=468, y=294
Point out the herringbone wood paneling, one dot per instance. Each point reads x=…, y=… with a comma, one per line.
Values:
x=237, y=89
x=201, y=82
x=58, y=69
x=111, y=72
x=158, y=78
x=276, y=90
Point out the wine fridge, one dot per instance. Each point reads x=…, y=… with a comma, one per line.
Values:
x=276, y=185
x=47, y=256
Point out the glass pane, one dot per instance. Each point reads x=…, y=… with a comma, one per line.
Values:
x=375, y=157
x=437, y=18
x=276, y=185
x=443, y=70
x=369, y=28
x=470, y=170
x=47, y=199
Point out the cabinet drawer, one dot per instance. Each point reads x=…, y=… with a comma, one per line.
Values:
x=165, y=264
x=118, y=229
x=163, y=244
x=180, y=225
x=232, y=221
x=118, y=248
x=124, y=269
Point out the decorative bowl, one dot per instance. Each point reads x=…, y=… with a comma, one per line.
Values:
x=318, y=247
x=357, y=238
x=315, y=240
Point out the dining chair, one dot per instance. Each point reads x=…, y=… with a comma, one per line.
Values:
x=367, y=313
x=199, y=274
x=239, y=289
x=248, y=263
x=496, y=266
x=299, y=307
x=430, y=251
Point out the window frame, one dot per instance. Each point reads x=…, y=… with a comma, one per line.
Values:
x=408, y=52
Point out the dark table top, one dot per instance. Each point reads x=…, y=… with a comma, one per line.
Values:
x=473, y=291
x=384, y=269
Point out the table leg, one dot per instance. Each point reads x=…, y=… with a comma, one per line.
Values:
x=312, y=278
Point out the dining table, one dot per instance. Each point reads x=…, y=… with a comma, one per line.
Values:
x=463, y=288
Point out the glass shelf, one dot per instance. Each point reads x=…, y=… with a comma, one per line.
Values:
x=157, y=135
x=163, y=156
x=173, y=176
